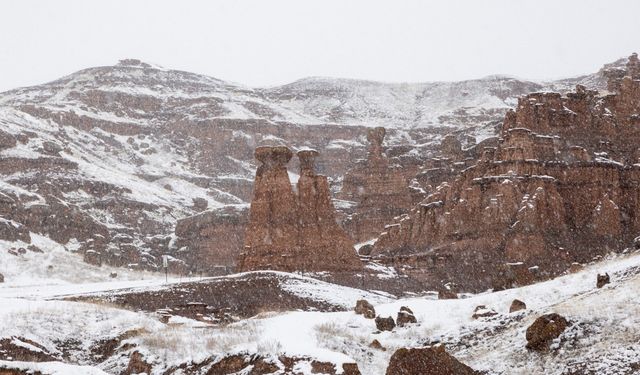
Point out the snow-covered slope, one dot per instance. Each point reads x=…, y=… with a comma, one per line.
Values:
x=602, y=337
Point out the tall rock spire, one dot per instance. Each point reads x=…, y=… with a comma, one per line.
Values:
x=289, y=231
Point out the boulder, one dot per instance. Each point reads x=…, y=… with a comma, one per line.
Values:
x=544, y=330
x=482, y=311
x=1, y=278
x=406, y=309
x=363, y=307
x=385, y=324
x=517, y=305
x=375, y=344
x=426, y=361
x=405, y=318
x=34, y=249
x=447, y=294
x=137, y=365
x=602, y=280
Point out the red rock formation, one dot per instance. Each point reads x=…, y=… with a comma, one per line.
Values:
x=382, y=191
x=561, y=187
x=289, y=231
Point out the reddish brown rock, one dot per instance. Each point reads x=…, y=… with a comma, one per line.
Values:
x=447, y=294
x=560, y=187
x=544, y=330
x=575, y=267
x=405, y=317
x=517, y=305
x=212, y=240
x=24, y=350
x=363, y=307
x=426, y=361
x=385, y=324
x=375, y=344
x=381, y=190
x=602, y=280
x=406, y=309
x=137, y=365
x=294, y=231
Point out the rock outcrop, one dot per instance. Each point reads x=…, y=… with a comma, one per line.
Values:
x=294, y=230
x=426, y=361
x=561, y=187
x=517, y=305
x=381, y=190
x=405, y=316
x=137, y=365
x=12, y=231
x=211, y=241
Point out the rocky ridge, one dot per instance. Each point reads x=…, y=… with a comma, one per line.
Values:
x=561, y=187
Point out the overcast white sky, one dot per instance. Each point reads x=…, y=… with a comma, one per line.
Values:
x=260, y=42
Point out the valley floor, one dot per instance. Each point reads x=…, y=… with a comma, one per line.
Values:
x=60, y=336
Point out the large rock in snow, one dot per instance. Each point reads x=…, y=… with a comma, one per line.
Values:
x=363, y=307
x=426, y=361
x=544, y=330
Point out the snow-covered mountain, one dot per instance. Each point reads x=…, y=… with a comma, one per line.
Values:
x=127, y=150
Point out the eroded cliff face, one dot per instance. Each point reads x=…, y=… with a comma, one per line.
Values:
x=293, y=230
x=562, y=186
x=211, y=241
x=380, y=188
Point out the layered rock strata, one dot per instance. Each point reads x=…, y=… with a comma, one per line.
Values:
x=561, y=187
x=211, y=241
x=381, y=190
x=293, y=230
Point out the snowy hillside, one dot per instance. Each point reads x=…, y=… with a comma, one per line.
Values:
x=602, y=337
x=128, y=150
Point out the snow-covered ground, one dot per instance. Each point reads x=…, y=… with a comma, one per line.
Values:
x=604, y=332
